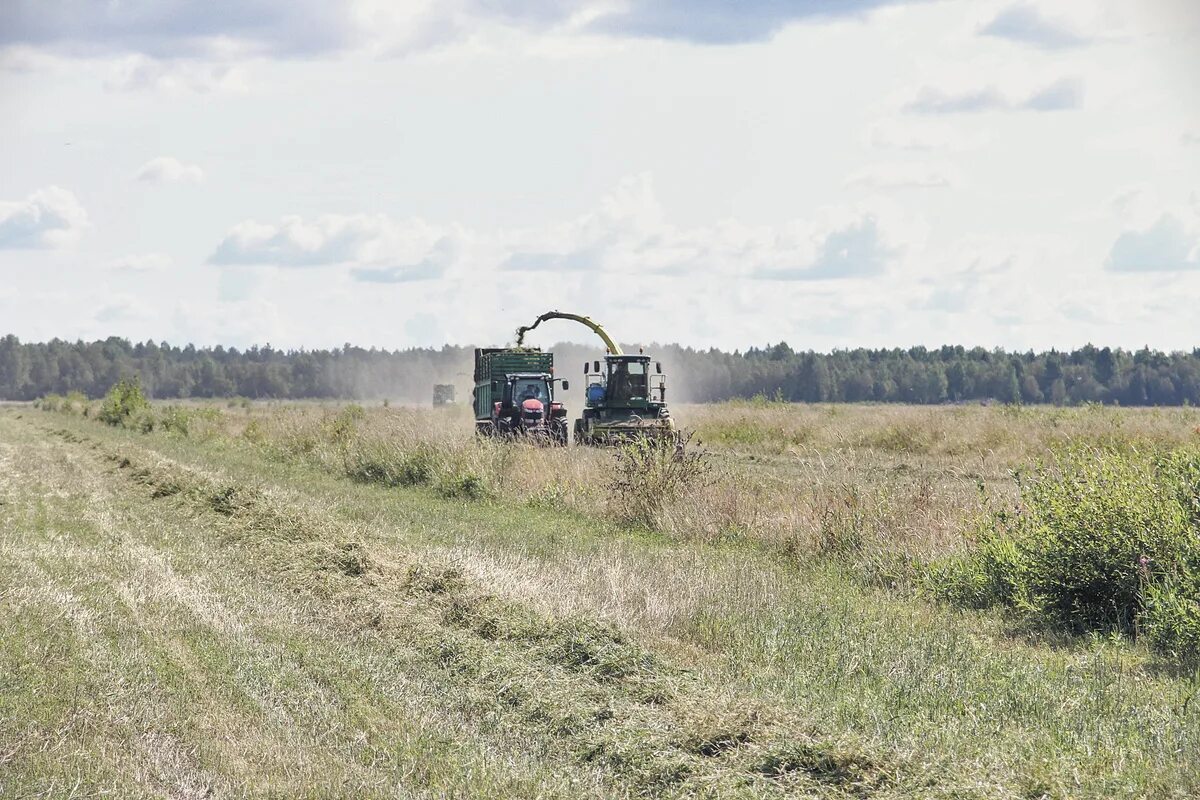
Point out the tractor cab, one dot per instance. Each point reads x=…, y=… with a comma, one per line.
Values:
x=519, y=388
x=527, y=406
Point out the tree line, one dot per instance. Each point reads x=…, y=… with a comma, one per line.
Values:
x=913, y=375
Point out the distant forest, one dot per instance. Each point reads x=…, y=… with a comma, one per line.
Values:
x=913, y=375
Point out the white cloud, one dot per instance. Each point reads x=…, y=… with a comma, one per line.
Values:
x=362, y=241
x=1027, y=24
x=144, y=262
x=137, y=71
x=441, y=256
x=903, y=176
x=930, y=100
x=121, y=309
x=224, y=29
x=1061, y=95
x=265, y=27
x=49, y=217
x=165, y=169
x=923, y=135
x=1136, y=206
x=858, y=250
x=1169, y=245
x=719, y=22
x=628, y=234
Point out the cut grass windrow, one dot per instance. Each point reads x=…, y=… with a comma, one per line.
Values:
x=595, y=699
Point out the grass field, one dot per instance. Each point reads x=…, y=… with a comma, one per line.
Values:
x=312, y=601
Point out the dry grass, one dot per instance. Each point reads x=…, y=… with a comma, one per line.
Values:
x=303, y=627
x=890, y=481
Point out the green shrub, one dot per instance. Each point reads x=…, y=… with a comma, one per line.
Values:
x=1171, y=621
x=466, y=486
x=51, y=402
x=1087, y=526
x=413, y=468
x=126, y=405
x=1101, y=539
x=176, y=419
x=254, y=432
x=910, y=437
x=144, y=421
x=76, y=402
x=743, y=431
x=994, y=574
x=343, y=425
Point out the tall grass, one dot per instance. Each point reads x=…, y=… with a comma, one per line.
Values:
x=881, y=490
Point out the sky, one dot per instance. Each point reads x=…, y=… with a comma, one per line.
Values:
x=832, y=173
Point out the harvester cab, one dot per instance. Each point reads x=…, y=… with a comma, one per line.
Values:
x=626, y=397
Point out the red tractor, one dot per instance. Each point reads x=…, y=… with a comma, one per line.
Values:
x=513, y=400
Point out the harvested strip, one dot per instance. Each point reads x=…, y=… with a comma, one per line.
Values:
x=588, y=693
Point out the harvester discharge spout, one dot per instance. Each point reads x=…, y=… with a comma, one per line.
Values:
x=613, y=347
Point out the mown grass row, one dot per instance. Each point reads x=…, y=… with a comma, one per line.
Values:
x=589, y=692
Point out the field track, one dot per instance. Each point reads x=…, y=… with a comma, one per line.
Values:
x=188, y=620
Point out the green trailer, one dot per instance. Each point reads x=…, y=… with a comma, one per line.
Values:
x=515, y=394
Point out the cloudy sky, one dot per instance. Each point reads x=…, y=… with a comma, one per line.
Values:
x=833, y=173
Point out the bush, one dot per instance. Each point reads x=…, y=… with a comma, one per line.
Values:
x=651, y=473
x=390, y=468
x=994, y=574
x=1089, y=525
x=1171, y=622
x=911, y=437
x=466, y=486
x=1101, y=539
x=176, y=419
x=51, y=402
x=343, y=426
x=127, y=406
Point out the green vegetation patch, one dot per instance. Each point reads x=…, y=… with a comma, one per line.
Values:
x=1100, y=539
x=125, y=405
